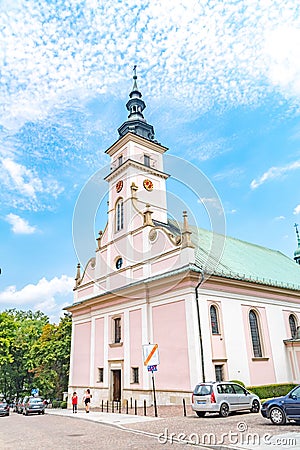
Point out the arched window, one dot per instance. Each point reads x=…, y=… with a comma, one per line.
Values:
x=254, y=329
x=214, y=320
x=293, y=325
x=119, y=215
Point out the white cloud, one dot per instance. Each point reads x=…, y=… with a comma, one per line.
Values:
x=274, y=172
x=232, y=53
x=45, y=295
x=19, y=225
x=26, y=185
x=212, y=203
x=297, y=210
x=33, y=294
x=23, y=179
x=279, y=218
x=282, y=47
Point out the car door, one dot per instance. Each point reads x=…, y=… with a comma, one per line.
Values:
x=292, y=403
x=243, y=399
x=230, y=396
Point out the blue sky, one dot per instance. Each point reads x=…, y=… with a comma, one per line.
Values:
x=221, y=84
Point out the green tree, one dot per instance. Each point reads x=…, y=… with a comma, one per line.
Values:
x=51, y=354
x=33, y=353
x=8, y=329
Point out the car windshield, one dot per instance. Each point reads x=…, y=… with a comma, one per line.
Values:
x=203, y=389
x=296, y=392
x=35, y=400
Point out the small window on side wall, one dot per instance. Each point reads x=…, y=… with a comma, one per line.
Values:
x=293, y=325
x=135, y=375
x=100, y=374
x=147, y=160
x=255, y=334
x=119, y=215
x=219, y=372
x=214, y=320
x=117, y=330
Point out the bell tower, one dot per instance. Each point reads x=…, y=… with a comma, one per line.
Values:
x=137, y=179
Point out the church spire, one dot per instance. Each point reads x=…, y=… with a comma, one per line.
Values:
x=136, y=122
x=297, y=251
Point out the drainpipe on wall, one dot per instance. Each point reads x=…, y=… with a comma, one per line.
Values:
x=199, y=326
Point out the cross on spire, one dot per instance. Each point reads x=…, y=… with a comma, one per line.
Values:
x=297, y=251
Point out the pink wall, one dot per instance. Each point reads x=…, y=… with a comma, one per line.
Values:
x=169, y=332
x=261, y=369
x=83, y=292
x=135, y=328
x=218, y=347
x=252, y=289
x=286, y=315
x=138, y=247
x=165, y=264
x=99, y=346
x=81, y=358
x=292, y=364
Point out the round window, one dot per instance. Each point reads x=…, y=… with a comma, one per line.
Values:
x=119, y=263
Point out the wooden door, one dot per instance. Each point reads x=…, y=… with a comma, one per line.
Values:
x=116, y=385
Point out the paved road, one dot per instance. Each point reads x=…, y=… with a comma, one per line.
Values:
x=51, y=432
x=60, y=429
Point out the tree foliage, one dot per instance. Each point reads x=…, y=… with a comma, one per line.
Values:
x=33, y=353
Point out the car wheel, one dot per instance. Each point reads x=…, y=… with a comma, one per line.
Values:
x=200, y=413
x=277, y=416
x=255, y=406
x=224, y=410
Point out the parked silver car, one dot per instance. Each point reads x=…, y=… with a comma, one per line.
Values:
x=223, y=397
x=34, y=405
x=4, y=408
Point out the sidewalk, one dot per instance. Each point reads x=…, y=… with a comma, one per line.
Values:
x=260, y=436
x=101, y=417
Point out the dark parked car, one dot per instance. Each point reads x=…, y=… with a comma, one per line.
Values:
x=34, y=405
x=4, y=408
x=281, y=409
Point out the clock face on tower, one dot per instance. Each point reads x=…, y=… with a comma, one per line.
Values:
x=148, y=185
x=119, y=186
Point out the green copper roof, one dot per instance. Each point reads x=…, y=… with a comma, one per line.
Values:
x=243, y=260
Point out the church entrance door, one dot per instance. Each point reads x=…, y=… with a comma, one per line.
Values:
x=116, y=391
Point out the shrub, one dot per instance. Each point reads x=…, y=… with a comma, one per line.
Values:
x=63, y=405
x=56, y=404
x=271, y=390
x=238, y=382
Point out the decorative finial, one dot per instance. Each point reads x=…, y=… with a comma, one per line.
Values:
x=297, y=251
x=186, y=234
x=78, y=276
x=100, y=234
x=147, y=216
x=297, y=232
x=134, y=87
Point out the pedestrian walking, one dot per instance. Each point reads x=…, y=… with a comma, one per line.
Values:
x=87, y=400
x=74, y=402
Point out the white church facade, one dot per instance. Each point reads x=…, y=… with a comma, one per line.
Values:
x=149, y=282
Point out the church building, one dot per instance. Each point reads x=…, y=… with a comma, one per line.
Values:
x=153, y=283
